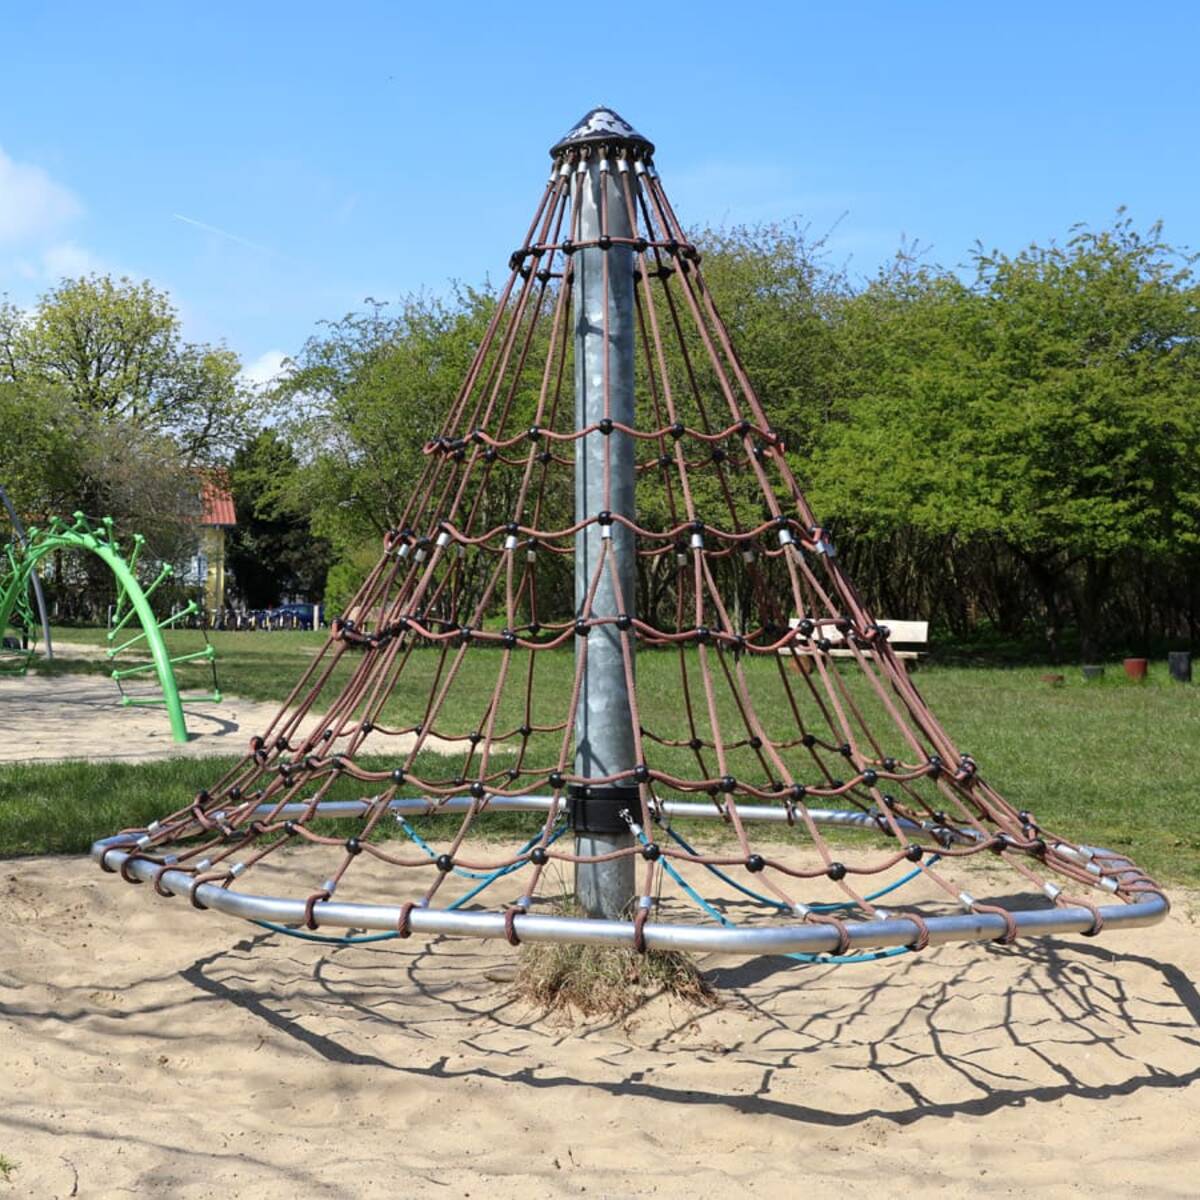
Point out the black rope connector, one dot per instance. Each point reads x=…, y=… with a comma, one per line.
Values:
x=695, y=744
x=677, y=430
x=353, y=846
x=478, y=791
x=728, y=784
x=755, y=863
x=914, y=853
x=935, y=766
x=581, y=628
x=797, y=791
x=605, y=425
x=651, y=852
x=604, y=241
x=507, y=638
x=836, y=871
x=844, y=750
x=808, y=741
x=703, y=633
x=719, y=455
x=665, y=461
x=465, y=633
x=604, y=517
x=398, y=775
x=755, y=742
x=525, y=730
x=869, y=777
x=805, y=628
x=641, y=773
x=289, y=827
x=568, y=247
x=534, y=433
x=538, y=856
x=624, y=622
x=445, y=863
x=555, y=779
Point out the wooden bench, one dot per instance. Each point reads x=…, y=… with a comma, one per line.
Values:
x=909, y=634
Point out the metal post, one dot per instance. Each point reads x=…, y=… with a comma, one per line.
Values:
x=604, y=317
x=23, y=538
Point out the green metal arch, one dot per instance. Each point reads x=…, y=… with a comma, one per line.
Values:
x=99, y=542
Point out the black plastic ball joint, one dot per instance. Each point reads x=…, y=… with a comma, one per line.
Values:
x=605, y=425
x=641, y=773
x=677, y=430
x=914, y=853
x=538, y=856
x=398, y=775
x=508, y=639
x=797, y=791
x=555, y=779
x=805, y=628
x=695, y=744
x=703, y=634
x=444, y=863
x=728, y=784
x=836, y=871
x=624, y=622
x=651, y=852
x=869, y=777
x=353, y=846
x=755, y=863
x=808, y=741
x=289, y=827
x=478, y=791
x=581, y=628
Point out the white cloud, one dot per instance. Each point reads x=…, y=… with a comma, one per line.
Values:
x=264, y=368
x=67, y=258
x=32, y=205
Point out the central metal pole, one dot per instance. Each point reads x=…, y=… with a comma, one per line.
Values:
x=604, y=480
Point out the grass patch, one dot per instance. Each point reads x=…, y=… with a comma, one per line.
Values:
x=1111, y=762
x=7, y=1167
x=604, y=981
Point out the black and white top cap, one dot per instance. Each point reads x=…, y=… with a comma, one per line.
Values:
x=602, y=125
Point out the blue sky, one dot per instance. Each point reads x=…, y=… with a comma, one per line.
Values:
x=273, y=164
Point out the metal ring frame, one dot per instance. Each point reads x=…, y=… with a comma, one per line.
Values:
x=112, y=853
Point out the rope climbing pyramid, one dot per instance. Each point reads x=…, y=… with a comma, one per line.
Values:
x=609, y=605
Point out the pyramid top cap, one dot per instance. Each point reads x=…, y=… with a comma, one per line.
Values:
x=601, y=125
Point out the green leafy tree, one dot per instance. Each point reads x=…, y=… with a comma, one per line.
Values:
x=272, y=551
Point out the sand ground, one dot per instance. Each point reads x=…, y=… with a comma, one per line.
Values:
x=46, y=718
x=148, y=1049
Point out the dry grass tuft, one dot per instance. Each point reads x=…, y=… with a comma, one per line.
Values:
x=608, y=981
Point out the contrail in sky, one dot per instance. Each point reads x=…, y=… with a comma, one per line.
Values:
x=233, y=237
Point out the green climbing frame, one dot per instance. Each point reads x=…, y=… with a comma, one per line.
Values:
x=133, y=602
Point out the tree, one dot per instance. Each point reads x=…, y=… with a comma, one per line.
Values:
x=272, y=551
x=114, y=350
x=1050, y=404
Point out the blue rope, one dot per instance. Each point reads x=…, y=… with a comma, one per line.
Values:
x=798, y=956
x=486, y=878
x=833, y=906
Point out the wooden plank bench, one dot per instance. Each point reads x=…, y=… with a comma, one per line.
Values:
x=909, y=634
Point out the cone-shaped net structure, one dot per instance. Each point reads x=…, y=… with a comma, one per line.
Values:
x=610, y=610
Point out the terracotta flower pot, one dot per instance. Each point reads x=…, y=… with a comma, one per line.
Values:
x=1135, y=668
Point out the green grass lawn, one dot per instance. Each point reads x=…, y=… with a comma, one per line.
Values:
x=1114, y=763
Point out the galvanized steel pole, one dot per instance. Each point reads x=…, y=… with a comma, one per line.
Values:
x=605, y=319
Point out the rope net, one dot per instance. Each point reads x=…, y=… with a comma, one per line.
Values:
x=758, y=685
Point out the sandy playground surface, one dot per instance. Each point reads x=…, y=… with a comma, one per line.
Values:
x=51, y=717
x=148, y=1049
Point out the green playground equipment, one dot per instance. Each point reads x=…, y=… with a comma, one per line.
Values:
x=18, y=565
